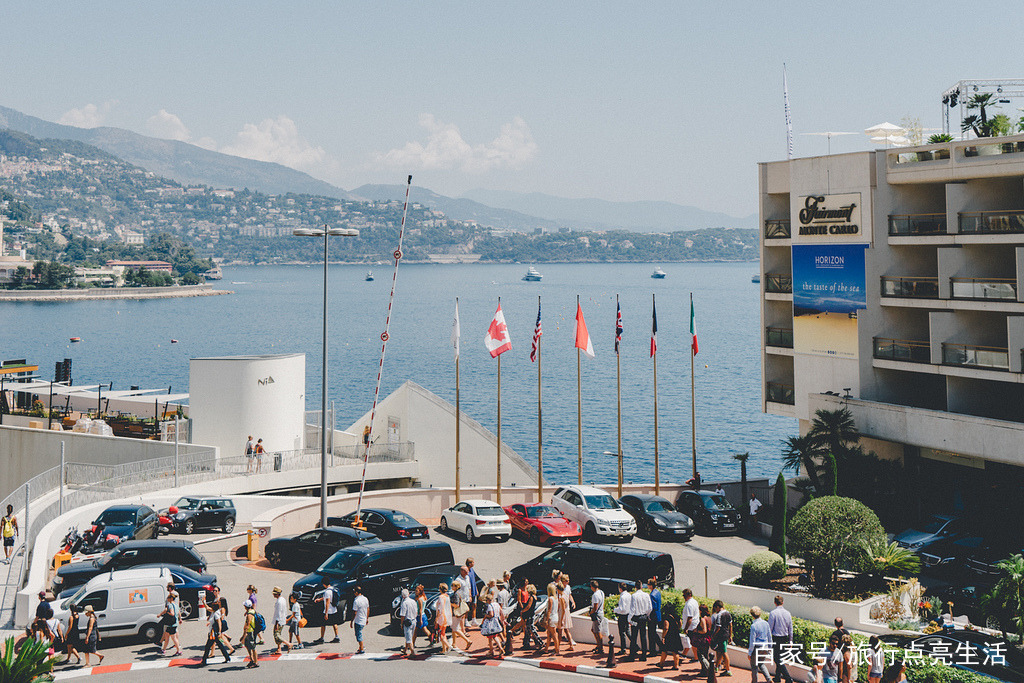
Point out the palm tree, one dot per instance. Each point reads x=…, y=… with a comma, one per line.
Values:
x=1007, y=597
x=800, y=452
x=30, y=665
x=889, y=559
x=742, y=457
x=836, y=433
x=979, y=124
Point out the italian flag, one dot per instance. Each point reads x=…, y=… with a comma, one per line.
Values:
x=693, y=329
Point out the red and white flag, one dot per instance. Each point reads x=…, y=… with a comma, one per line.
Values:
x=537, y=332
x=497, y=340
x=582, y=336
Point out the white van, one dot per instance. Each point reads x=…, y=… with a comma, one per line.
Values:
x=126, y=602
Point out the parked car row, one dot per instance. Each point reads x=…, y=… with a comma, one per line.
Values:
x=951, y=548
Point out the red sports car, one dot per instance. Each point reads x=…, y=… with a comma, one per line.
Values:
x=542, y=524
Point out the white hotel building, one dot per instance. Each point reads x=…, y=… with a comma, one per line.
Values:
x=893, y=284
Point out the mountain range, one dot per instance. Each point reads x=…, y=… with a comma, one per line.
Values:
x=190, y=164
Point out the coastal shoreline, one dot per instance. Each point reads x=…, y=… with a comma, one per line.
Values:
x=93, y=294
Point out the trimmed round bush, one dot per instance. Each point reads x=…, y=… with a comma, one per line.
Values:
x=762, y=567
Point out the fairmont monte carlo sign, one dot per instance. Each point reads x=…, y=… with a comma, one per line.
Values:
x=833, y=215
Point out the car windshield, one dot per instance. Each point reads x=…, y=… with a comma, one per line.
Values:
x=934, y=526
x=116, y=517
x=494, y=511
x=601, y=502
x=187, y=504
x=340, y=563
x=717, y=502
x=402, y=519
x=74, y=598
x=430, y=580
x=537, y=511
x=659, y=506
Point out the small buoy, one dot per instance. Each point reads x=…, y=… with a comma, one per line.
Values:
x=174, y=341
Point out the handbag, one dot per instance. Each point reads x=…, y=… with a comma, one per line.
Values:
x=490, y=626
x=302, y=622
x=460, y=609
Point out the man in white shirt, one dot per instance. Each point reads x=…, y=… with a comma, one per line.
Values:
x=280, y=617
x=326, y=596
x=719, y=491
x=597, y=621
x=622, y=615
x=639, y=612
x=690, y=618
x=361, y=614
x=755, y=505
x=408, y=611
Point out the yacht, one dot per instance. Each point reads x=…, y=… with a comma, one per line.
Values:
x=756, y=278
x=658, y=273
x=532, y=275
x=369, y=276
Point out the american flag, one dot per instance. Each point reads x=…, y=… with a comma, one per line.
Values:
x=537, y=332
x=618, y=326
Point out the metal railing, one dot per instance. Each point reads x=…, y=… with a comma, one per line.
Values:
x=779, y=336
x=991, y=222
x=910, y=287
x=971, y=355
x=917, y=224
x=777, y=229
x=781, y=393
x=778, y=283
x=1004, y=289
x=902, y=349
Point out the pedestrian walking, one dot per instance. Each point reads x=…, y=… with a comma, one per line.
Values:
x=528, y=609
x=408, y=612
x=551, y=621
x=671, y=637
x=360, y=615
x=281, y=613
x=73, y=639
x=780, y=623
x=598, y=622
x=719, y=491
x=653, y=641
x=492, y=627
x=639, y=613
x=721, y=636
x=689, y=618
x=876, y=660
x=848, y=674
x=622, y=615
x=459, y=610
x=251, y=591
x=755, y=505
x=473, y=590
x=830, y=659
x=295, y=621
x=250, y=452
x=215, y=629
x=170, y=619
x=249, y=634
x=44, y=610
x=331, y=615
x=56, y=635
x=443, y=617
x=9, y=529
x=702, y=640
x=421, y=615
x=760, y=646
x=260, y=452
x=92, y=635
x=565, y=616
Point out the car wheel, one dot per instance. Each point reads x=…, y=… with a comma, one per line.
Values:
x=444, y=523
x=534, y=536
x=190, y=526
x=229, y=525
x=186, y=608
x=469, y=534
x=274, y=558
x=151, y=632
x=627, y=539
x=590, y=532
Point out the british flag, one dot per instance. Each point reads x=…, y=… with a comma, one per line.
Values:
x=618, y=326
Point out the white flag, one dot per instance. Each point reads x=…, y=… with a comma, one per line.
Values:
x=455, y=330
x=789, y=119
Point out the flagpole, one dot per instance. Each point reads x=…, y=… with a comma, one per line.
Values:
x=458, y=420
x=498, y=468
x=579, y=411
x=540, y=441
x=657, y=483
x=693, y=397
x=618, y=395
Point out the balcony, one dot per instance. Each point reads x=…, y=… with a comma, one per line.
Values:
x=993, y=148
x=777, y=229
x=917, y=224
x=779, y=336
x=1002, y=289
x=781, y=393
x=972, y=356
x=992, y=222
x=910, y=287
x=902, y=349
x=778, y=283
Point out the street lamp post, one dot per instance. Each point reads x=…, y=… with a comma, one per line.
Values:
x=619, y=456
x=326, y=233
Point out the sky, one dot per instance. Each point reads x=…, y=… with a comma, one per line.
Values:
x=674, y=101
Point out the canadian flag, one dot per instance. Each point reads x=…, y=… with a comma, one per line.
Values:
x=497, y=340
x=582, y=336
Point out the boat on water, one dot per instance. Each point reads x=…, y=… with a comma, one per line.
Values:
x=369, y=276
x=756, y=278
x=658, y=274
x=532, y=275
x=75, y=339
x=214, y=274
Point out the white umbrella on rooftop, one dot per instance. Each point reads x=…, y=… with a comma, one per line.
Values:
x=884, y=129
x=828, y=134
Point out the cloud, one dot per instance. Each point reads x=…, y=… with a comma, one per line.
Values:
x=446, y=149
x=166, y=125
x=277, y=140
x=89, y=116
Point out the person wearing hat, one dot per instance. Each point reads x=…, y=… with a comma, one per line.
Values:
x=249, y=639
x=92, y=635
x=280, y=619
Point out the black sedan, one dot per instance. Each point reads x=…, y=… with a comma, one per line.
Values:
x=187, y=583
x=191, y=513
x=127, y=523
x=388, y=525
x=947, y=556
x=308, y=551
x=655, y=517
x=711, y=512
x=431, y=579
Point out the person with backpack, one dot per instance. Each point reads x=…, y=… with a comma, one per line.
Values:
x=330, y=598
x=251, y=630
x=9, y=528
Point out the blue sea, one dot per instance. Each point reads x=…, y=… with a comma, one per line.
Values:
x=277, y=309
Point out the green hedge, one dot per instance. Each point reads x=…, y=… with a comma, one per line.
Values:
x=761, y=568
x=806, y=632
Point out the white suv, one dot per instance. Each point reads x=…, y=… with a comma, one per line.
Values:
x=595, y=510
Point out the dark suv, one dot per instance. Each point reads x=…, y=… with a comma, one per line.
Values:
x=609, y=565
x=127, y=522
x=202, y=512
x=130, y=554
x=711, y=512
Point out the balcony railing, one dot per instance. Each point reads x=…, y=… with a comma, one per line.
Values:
x=781, y=393
x=1004, y=289
x=917, y=224
x=778, y=283
x=991, y=222
x=902, y=349
x=970, y=355
x=777, y=229
x=924, y=155
x=910, y=287
x=993, y=148
x=779, y=336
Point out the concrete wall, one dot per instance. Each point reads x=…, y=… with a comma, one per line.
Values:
x=234, y=397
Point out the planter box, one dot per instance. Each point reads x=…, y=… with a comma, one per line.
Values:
x=855, y=616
